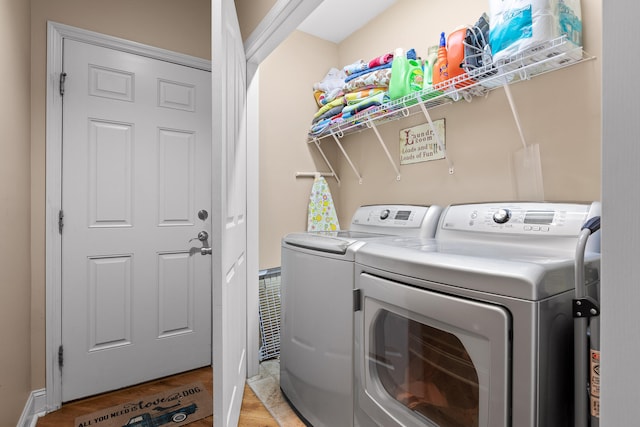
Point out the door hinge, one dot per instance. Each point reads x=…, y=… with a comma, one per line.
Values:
x=60, y=357
x=585, y=307
x=63, y=77
x=357, y=300
x=60, y=221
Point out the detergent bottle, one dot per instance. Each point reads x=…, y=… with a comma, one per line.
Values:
x=432, y=56
x=415, y=76
x=455, y=52
x=399, y=81
x=441, y=67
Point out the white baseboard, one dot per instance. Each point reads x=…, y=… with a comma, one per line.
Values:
x=34, y=408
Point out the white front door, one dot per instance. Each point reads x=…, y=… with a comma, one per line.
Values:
x=230, y=214
x=136, y=299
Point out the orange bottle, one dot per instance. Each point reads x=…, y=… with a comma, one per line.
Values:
x=455, y=52
x=441, y=67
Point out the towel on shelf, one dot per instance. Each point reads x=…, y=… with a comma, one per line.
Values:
x=365, y=103
x=377, y=78
x=322, y=213
x=355, y=67
x=380, y=60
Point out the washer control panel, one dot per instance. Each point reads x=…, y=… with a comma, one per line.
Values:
x=527, y=218
x=390, y=215
x=399, y=220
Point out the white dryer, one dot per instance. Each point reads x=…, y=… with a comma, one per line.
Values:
x=473, y=328
x=316, y=350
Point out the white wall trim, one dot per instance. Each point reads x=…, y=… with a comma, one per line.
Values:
x=253, y=216
x=281, y=20
x=34, y=408
x=73, y=33
x=56, y=33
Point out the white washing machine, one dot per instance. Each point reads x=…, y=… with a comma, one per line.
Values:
x=316, y=344
x=473, y=328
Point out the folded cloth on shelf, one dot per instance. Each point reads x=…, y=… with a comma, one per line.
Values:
x=381, y=60
x=376, y=99
x=387, y=58
x=336, y=102
x=334, y=79
x=355, y=67
x=328, y=114
x=319, y=127
x=377, y=78
x=323, y=98
x=367, y=71
x=357, y=96
x=349, y=116
x=411, y=54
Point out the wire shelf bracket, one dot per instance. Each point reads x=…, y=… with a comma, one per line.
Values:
x=437, y=136
x=316, y=141
x=346, y=156
x=372, y=125
x=514, y=111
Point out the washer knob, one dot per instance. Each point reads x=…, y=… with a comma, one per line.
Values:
x=385, y=214
x=501, y=216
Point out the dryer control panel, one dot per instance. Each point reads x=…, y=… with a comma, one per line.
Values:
x=526, y=220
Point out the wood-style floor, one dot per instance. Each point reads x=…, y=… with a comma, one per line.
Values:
x=253, y=413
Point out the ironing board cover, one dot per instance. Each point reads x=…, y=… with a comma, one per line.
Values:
x=322, y=213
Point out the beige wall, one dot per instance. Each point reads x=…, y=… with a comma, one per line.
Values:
x=560, y=111
x=286, y=108
x=250, y=13
x=14, y=210
x=181, y=26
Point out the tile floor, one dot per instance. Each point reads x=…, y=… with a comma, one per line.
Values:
x=266, y=385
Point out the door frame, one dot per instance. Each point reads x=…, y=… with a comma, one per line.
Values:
x=281, y=20
x=56, y=33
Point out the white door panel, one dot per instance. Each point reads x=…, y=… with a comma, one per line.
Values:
x=229, y=259
x=136, y=303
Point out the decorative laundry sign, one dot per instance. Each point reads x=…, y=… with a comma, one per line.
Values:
x=419, y=143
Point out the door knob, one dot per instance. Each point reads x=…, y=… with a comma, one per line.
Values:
x=203, y=236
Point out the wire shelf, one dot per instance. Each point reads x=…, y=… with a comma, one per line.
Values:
x=269, y=312
x=548, y=56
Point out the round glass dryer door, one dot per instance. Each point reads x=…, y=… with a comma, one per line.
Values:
x=424, y=358
x=426, y=369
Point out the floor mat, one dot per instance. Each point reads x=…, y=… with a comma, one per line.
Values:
x=178, y=406
x=266, y=386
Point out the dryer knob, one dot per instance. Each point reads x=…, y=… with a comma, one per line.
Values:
x=385, y=214
x=501, y=216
